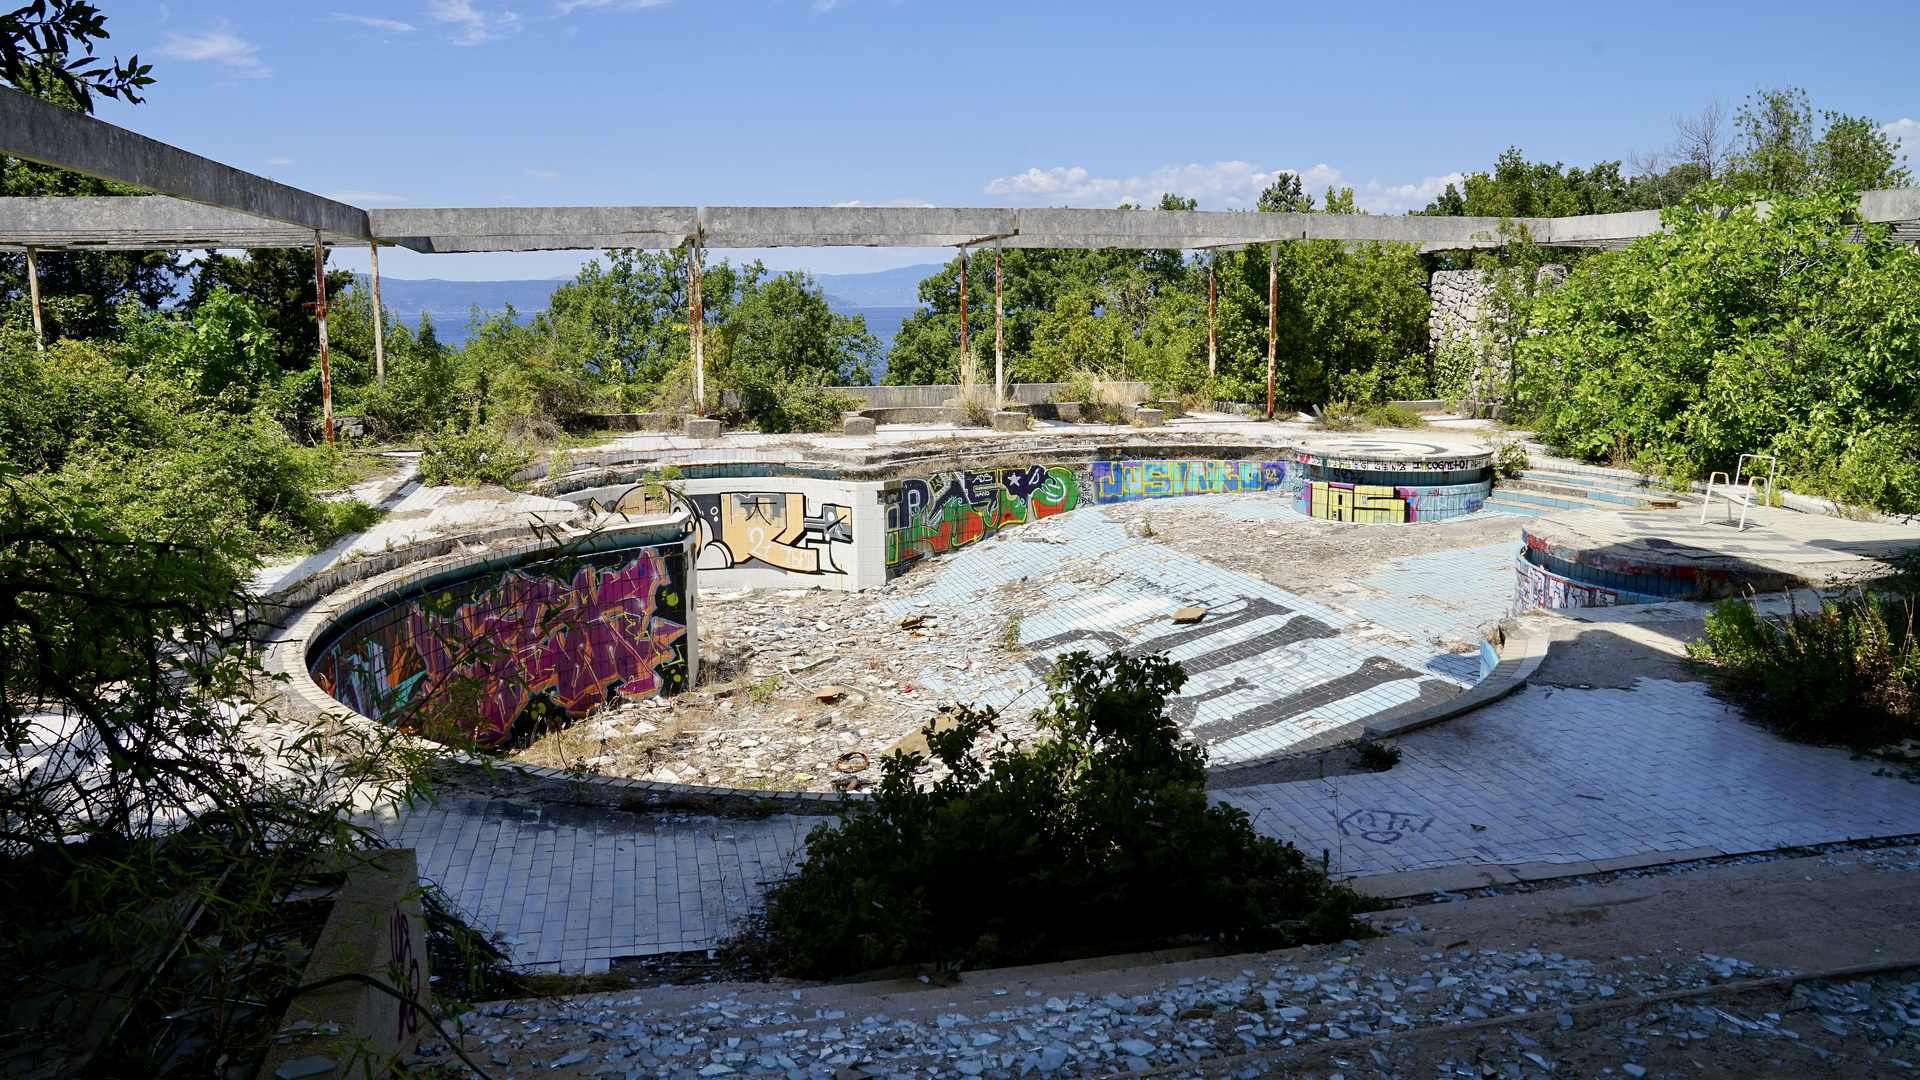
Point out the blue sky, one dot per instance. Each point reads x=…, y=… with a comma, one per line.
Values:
x=888, y=102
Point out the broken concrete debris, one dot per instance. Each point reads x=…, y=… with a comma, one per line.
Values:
x=1380, y=1009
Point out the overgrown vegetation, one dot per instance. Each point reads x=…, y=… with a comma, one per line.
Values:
x=1845, y=672
x=1794, y=332
x=1099, y=834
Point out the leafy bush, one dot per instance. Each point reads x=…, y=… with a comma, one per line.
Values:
x=478, y=455
x=1510, y=459
x=1845, y=672
x=799, y=406
x=1795, y=333
x=1098, y=834
x=1396, y=416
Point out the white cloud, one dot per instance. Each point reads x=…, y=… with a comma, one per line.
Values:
x=1907, y=134
x=359, y=197
x=1378, y=198
x=1229, y=184
x=220, y=46
x=279, y=161
x=568, y=7
x=884, y=202
x=394, y=25
x=472, y=25
x=545, y=174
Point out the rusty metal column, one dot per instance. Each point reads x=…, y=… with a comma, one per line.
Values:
x=696, y=327
x=379, y=334
x=1213, y=354
x=33, y=289
x=999, y=338
x=320, y=313
x=965, y=383
x=1273, y=300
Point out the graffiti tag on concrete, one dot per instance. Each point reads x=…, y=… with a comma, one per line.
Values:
x=1383, y=826
x=1368, y=504
x=773, y=528
x=1125, y=481
x=570, y=633
x=936, y=514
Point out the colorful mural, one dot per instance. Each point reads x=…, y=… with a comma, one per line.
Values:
x=1535, y=588
x=1125, y=481
x=772, y=528
x=566, y=634
x=936, y=514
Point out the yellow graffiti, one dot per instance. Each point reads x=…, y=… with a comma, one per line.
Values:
x=765, y=526
x=1366, y=504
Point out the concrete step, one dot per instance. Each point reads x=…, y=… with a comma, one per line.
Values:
x=1560, y=490
x=1595, y=482
x=1506, y=507
x=1548, y=503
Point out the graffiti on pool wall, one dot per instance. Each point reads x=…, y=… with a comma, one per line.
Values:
x=565, y=635
x=1368, y=504
x=930, y=515
x=1124, y=481
x=772, y=528
x=1535, y=588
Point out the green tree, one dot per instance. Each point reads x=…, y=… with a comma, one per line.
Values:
x=1734, y=332
x=624, y=324
x=1787, y=148
x=279, y=283
x=47, y=51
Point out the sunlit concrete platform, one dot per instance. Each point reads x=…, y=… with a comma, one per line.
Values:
x=1599, y=558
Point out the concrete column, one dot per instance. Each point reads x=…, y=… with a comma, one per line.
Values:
x=1273, y=300
x=320, y=313
x=379, y=319
x=33, y=289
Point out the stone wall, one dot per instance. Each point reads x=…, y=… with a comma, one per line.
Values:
x=1459, y=298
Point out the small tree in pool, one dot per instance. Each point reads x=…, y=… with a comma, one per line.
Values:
x=1099, y=834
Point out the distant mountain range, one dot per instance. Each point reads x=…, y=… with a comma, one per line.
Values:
x=886, y=298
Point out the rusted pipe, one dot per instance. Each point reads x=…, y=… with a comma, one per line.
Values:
x=696, y=326
x=1213, y=354
x=964, y=357
x=999, y=340
x=320, y=313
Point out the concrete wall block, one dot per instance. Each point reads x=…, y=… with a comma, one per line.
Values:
x=1150, y=417
x=1011, y=421
x=698, y=428
x=375, y=930
x=858, y=426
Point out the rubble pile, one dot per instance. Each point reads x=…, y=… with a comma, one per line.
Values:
x=1376, y=1011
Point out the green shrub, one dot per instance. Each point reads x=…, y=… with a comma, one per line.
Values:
x=478, y=455
x=1845, y=672
x=1396, y=416
x=1098, y=834
x=799, y=406
x=1510, y=459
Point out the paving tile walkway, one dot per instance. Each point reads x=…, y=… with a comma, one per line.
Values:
x=1556, y=775
x=571, y=888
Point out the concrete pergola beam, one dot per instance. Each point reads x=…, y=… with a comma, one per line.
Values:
x=537, y=228
x=852, y=226
x=141, y=223
x=38, y=131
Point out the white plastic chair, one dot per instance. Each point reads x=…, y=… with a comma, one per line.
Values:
x=1743, y=492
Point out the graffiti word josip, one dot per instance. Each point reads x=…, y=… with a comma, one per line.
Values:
x=1124, y=481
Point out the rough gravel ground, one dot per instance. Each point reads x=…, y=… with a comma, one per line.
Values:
x=1583, y=980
